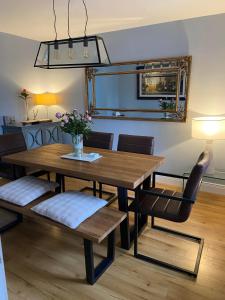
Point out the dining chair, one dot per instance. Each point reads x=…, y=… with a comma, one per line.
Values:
x=100, y=140
x=137, y=144
x=10, y=144
x=172, y=206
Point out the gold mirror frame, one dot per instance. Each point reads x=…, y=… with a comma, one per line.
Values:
x=181, y=66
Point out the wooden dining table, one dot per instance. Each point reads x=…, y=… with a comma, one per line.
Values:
x=124, y=170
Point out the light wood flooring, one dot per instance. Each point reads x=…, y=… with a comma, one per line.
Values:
x=44, y=262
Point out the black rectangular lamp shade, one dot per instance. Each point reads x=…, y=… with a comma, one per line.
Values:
x=89, y=51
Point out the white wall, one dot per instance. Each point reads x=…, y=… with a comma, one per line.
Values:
x=203, y=38
x=16, y=72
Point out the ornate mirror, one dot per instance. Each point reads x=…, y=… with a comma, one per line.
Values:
x=154, y=90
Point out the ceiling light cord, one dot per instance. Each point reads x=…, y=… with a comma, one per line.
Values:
x=86, y=23
x=54, y=13
x=68, y=19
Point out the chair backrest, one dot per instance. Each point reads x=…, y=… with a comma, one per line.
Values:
x=136, y=144
x=193, y=184
x=102, y=140
x=12, y=143
x=196, y=175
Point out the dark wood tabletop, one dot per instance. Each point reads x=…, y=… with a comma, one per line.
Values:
x=121, y=169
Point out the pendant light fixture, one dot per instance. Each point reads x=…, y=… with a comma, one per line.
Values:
x=81, y=52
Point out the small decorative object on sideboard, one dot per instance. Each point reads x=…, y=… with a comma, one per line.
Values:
x=77, y=125
x=25, y=95
x=167, y=105
x=35, y=113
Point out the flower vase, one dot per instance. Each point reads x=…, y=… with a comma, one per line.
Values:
x=26, y=108
x=166, y=115
x=78, y=145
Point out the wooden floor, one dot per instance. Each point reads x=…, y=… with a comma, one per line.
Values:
x=43, y=262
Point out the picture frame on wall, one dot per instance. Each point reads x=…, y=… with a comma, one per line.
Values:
x=156, y=85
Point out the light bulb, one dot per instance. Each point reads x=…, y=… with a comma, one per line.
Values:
x=45, y=56
x=85, y=53
x=71, y=51
x=56, y=53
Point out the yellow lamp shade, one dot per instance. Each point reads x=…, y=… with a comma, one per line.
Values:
x=47, y=99
x=208, y=128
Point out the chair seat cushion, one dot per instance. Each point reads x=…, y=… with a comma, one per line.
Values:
x=26, y=189
x=160, y=207
x=70, y=208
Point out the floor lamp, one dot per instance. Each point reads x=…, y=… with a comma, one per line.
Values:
x=209, y=129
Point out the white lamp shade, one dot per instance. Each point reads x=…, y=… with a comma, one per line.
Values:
x=208, y=128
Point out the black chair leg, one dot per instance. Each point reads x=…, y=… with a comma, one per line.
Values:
x=100, y=190
x=48, y=177
x=92, y=272
x=149, y=259
x=94, y=188
x=111, y=196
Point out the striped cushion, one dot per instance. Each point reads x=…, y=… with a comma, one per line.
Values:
x=26, y=189
x=70, y=208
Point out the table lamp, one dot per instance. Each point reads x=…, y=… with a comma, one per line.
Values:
x=47, y=100
x=209, y=129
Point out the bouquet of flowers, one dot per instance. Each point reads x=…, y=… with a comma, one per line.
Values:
x=24, y=94
x=167, y=104
x=75, y=123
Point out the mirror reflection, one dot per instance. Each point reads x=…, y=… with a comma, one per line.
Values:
x=151, y=90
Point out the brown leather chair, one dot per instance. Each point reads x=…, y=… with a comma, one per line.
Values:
x=136, y=144
x=172, y=206
x=13, y=143
x=101, y=140
x=9, y=144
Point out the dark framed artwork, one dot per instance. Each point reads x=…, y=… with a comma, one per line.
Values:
x=159, y=85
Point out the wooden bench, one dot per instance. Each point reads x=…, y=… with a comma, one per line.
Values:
x=95, y=229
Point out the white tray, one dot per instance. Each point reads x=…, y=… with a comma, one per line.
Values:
x=86, y=157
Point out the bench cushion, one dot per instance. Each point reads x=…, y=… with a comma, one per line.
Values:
x=70, y=208
x=26, y=189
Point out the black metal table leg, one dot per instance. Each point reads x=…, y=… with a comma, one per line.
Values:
x=127, y=231
x=147, y=183
x=124, y=226
x=60, y=180
x=92, y=272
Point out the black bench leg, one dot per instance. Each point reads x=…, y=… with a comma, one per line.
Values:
x=18, y=220
x=92, y=272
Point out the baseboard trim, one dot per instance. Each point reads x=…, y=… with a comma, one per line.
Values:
x=212, y=188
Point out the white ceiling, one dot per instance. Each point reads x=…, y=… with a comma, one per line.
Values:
x=33, y=18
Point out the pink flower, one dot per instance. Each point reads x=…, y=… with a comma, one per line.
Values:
x=58, y=115
x=65, y=119
x=89, y=118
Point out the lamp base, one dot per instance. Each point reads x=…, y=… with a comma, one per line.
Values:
x=209, y=148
